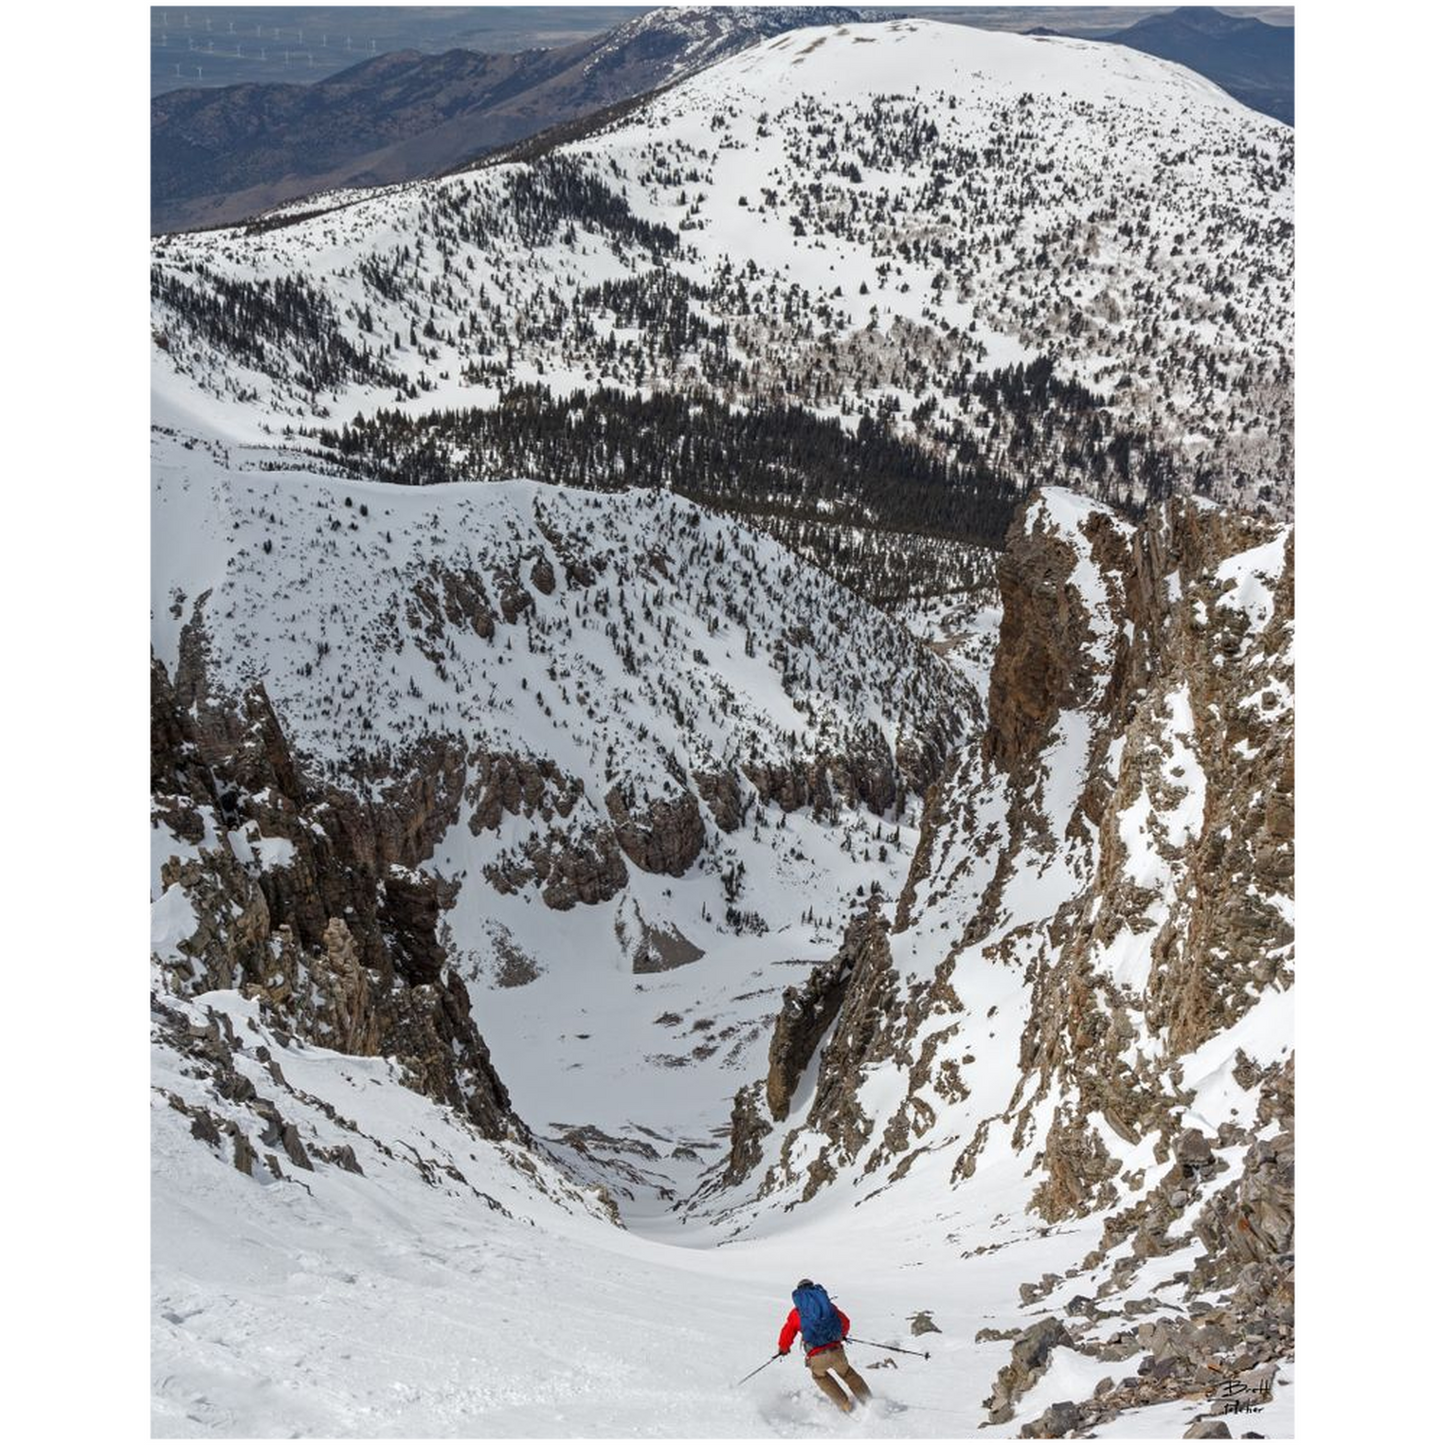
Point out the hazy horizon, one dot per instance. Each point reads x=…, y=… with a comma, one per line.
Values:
x=229, y=45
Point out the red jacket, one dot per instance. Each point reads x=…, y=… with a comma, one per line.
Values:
x=790, y=1332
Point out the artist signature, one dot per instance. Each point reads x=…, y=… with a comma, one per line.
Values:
x=1240, y=1397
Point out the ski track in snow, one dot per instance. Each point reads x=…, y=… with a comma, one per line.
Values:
x=379, y=1306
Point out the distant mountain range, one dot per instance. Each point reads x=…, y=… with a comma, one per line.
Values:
x=1253, y=61
x=225, y=154
x=220, y=155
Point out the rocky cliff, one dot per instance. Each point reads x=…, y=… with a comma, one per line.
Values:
x=1086, y=981
x=272, y=888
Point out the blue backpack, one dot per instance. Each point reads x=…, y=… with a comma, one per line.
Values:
x=816, y=1315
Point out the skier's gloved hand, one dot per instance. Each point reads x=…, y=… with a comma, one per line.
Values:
x=780, y=1354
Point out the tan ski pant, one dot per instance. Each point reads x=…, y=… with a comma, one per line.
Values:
x=836, y=1361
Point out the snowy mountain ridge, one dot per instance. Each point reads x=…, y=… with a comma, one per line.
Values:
x=701, y=35
x=225, y=154
x=921, y=205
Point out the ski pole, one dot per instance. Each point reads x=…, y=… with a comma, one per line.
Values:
x=759, y=1370
x=897, y=1349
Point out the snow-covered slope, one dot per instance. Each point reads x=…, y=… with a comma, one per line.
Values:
x=456, y=1288
x=863, y=219
x=1047, y=1098
x=630, y=737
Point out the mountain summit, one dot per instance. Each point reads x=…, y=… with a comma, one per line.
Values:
x=1019, y=257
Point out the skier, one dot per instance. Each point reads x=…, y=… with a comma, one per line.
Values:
x=824, y=1327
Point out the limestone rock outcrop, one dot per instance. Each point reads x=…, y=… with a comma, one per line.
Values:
x=1102, y=891
x=663, y=836
x=297, y=897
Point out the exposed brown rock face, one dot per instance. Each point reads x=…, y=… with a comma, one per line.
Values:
x=396, y=808
x=568, y=866
x=543, y=577
x=1240, y=1324
x=1198, y=738
x=748, y=1129
x=1042, y=664
x=1249, y=1227
x=807, y=1014
x=922, y=871
x=571, y=551
x=522, y=786
x=516, y=599
x=866, y=774
x=1027, y=1362
x=301, y=907
x=1136, y=641
x=723, y=795
x=664, y=836
x=178, y=777
x=853, y=994
x=860, y=1038
x=448, y=598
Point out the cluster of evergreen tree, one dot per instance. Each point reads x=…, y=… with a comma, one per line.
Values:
x=256, y=320
x=657, y=302
x=886, y=567
x=1052, y=430
x=766, y=461
x=847, y=499
x=543, y=201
